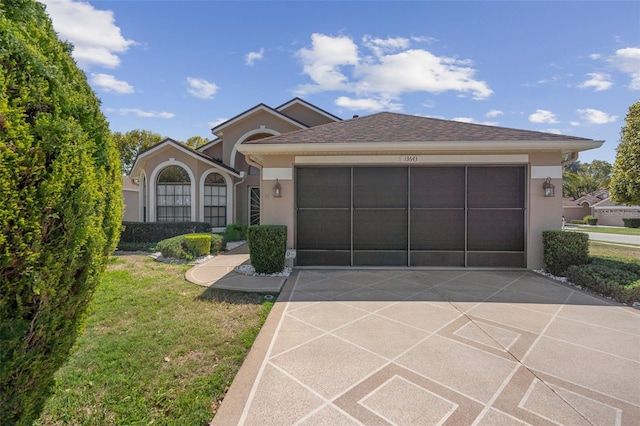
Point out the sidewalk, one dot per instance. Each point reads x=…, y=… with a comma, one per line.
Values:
x=219, y=273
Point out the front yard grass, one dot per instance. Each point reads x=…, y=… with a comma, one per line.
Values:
x=605, y=229
x=155, y=350
x=614, y=252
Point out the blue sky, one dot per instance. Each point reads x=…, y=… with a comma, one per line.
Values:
x=180, y=67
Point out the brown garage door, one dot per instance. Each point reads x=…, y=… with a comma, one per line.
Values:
x=461, y=216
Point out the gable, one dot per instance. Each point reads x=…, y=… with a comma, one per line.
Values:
x=306, y=113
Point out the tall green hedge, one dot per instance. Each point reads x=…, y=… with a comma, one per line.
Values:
x=267, y=248
x=153, y=232
x=563, y=249
x=61, y=205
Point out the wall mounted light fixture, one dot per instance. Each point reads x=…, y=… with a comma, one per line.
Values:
x=549, y=188
x=277, y=189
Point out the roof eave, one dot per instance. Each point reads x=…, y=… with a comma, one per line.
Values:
x=564, y=146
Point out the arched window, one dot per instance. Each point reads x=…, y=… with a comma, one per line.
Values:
x=173, y=195
x=215, y=200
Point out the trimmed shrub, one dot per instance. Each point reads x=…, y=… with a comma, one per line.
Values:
x=620, y=282
x=217, y=243
x=578, y=222
x=61, y=209
x=174, y=247
x=563, y=249
x=198, y=245
x=236, y=232
x=632, y=222
x=267, y=247
x=152, y=232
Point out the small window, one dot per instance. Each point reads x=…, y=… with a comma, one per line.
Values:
x=215, y=200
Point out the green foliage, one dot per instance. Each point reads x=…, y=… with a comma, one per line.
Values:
x=590, y=220
x=130, y=144
x=631, y=222
x=236, y=232
x=196, y=142
x=563, y=249
x=61, y=207
x=616, y=279
x=152, y=232
x=578, y=221
x=175, y=248
x=581, y=179
x=190, y=246
x=217, y=243
x=267, y=247
x=625, y=182
x=198, y=244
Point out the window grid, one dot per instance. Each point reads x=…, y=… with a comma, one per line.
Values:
x=215, y=201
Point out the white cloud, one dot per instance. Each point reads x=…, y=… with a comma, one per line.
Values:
x=381, y=46
x=494, y=113
x=574, y=123
x=323, y=62
x=599, y=81
x=109, y=83
x=364, y=104
x=464, y=119
x=554, y=131
x=252, y=57
x=543, y=116
x=595, y=56
x=335, y=63
x=201, y=88
x=145, y=114
x=594, y=116
x=96, y=38
x=627, y=60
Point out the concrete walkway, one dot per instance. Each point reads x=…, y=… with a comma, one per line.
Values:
x=614, y=238
x=218, y=272
x=403, y=347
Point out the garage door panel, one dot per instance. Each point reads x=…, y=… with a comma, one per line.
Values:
x=441, y=229
x=377, y=258
x=323, y=187
x=437, y=187
x=380, y=230
x=495, y=230
x=496, y=260
x=495, y=187
x=380, y=187
x=437, y=258
x=324, y=229
x=323, y=258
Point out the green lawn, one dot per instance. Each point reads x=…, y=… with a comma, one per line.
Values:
x=604, y=229
x=156, y=349
x=614, y=252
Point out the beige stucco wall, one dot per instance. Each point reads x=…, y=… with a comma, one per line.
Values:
x=261, y=121
x=545, y=213
x=131, y=211
x=305, y=115
x=612, y=215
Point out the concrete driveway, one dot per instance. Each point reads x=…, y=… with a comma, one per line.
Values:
x=402, y=347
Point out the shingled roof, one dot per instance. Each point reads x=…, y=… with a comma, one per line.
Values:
x=387, y=127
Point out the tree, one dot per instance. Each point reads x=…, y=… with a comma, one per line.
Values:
x=133, y=142
x=625, y=182
x=582, y=179
x=61, y=209
x=196, y=142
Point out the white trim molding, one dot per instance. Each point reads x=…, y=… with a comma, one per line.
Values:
x=411, y=159
x=152, y=188
x=543, y=172
x=273, y=173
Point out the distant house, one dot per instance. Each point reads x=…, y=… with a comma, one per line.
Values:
x=599, y=205
x=386, y=189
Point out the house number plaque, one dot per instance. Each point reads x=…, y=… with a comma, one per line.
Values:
x=409, y=159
